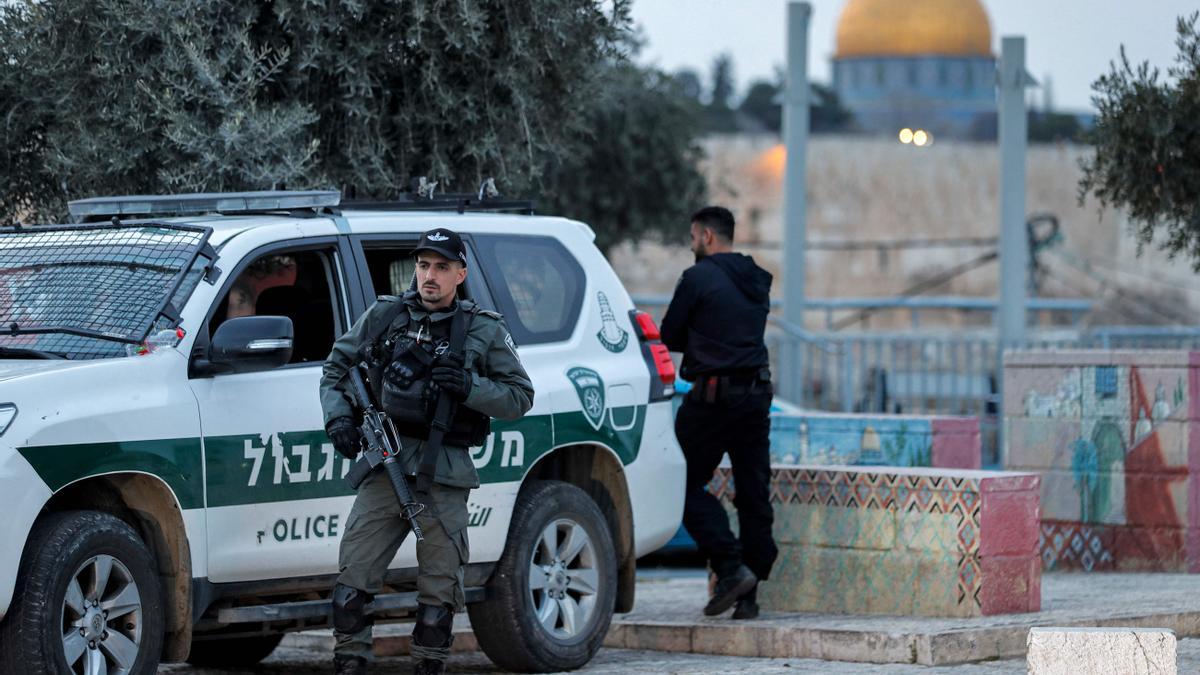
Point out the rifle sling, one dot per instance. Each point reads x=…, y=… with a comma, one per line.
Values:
x=444, y=410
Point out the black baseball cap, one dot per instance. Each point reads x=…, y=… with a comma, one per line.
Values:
x=443, y=242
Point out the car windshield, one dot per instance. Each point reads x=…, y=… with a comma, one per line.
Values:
x=88, y=291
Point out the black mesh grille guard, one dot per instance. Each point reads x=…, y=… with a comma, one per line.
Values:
x=86, y=291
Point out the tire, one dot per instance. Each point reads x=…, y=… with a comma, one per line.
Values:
x=530, y=577
x=58, y=610
x=231, y=652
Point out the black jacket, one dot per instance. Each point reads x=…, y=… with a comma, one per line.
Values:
x=718, y=316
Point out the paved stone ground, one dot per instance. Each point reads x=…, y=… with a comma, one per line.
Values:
x=288, y=659
x=678, y=596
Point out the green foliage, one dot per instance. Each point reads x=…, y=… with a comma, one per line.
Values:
x=720, y=114
x=1147, y=139
x=638, y=173
x=826, y=115
x=151, y=96
x=760, y=105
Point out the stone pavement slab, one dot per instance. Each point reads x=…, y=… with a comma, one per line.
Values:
x=291, y=659
x=1101, y=651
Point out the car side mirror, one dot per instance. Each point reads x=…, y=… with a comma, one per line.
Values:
x=249, y=343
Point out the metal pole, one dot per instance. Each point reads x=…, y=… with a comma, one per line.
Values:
x=1014, y=242
x=795, y=138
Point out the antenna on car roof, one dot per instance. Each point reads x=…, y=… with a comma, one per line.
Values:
x=487, y=189
x=422, y=195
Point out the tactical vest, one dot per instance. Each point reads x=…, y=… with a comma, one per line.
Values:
x=407, y=394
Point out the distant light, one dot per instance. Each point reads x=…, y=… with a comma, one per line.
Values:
x=771, y=164
x=906, y=135
x=920, y=138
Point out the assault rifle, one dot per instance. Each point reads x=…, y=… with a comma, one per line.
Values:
x=382, y=447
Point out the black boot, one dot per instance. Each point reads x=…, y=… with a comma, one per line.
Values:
x=429, y=667
x=432, y=637
x=349, y=665
x=747, y=605
x=729, y=588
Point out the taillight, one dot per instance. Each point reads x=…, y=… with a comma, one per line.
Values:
x=664, y=365
x=658, y=357
x=645, y=324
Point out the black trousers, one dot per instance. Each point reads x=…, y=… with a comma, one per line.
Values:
x=739, y=426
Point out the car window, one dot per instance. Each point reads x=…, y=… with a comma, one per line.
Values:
x=391, y=269
x=537, y=285
x=295, y=284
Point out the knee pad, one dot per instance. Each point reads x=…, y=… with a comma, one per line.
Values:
x=434, y=627
x=348, y=604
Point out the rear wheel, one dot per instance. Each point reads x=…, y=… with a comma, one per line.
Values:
x=552, y=596
x=86, y=602
x=244, y=651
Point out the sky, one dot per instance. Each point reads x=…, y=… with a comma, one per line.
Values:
x=1072, y=41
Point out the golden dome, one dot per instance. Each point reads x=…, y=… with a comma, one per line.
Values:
x=913, y=28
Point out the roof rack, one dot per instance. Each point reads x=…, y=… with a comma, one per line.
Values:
x=460, y=203
x=104, y=208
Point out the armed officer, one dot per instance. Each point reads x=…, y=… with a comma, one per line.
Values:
x=408, y=344
x=717, y=318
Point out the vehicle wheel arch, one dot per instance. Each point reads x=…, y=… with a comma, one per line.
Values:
x=148, y=505
x=596, y=469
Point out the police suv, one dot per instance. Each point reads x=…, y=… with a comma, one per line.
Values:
x=169, y=492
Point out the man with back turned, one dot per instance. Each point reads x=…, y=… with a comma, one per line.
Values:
x=717, y=319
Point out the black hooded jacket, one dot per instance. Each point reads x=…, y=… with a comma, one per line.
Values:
x=718, y=316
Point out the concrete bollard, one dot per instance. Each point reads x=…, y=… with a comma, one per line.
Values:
x=1101, y=651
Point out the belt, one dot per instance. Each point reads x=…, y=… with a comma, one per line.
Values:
x=713, y=388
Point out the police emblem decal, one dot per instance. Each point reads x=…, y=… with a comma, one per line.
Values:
x=590, y=388
x=611, y=335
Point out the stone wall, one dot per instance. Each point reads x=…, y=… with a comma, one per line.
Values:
x=878, y=189
x=892, y=440
x=1116, y=437
x=902, y=541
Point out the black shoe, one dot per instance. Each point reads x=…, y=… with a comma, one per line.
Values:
x=349, y=665
x=747, y=607
x=729, y=589
x=429, y=667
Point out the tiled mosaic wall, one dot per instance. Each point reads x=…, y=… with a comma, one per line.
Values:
x=881, y=440
x=901, y=541
x=1114, y=434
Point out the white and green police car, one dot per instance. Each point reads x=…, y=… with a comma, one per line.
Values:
x=168, y=490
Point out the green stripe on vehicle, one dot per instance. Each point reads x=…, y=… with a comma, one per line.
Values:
x=289, y=466
x=175, y=460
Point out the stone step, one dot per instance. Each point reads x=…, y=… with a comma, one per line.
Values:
x=1056, y=650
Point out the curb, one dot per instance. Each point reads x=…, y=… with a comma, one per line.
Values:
x=762, y=639
x=771, y=640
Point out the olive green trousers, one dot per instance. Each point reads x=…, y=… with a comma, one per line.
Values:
x=376, y=529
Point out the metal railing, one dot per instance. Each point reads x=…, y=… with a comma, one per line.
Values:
x=863, y=308
x=927, y=371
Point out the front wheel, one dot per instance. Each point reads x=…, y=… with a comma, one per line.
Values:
x=86, y=602
x=552, y=596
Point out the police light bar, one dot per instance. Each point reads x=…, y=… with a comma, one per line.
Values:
x=207, y=202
